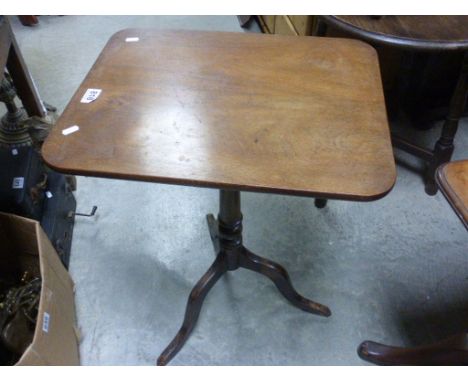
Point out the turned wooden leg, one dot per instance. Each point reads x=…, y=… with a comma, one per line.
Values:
x=444, y=147
x=320, y=203
x=451, y=351
x=194, y=304
x=280, y=277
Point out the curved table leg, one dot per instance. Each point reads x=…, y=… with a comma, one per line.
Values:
x=451, y=351
x=280, y=277
x=194, y=304
x=231, y=254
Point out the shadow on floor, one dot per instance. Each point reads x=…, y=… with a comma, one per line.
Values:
x=432, y=323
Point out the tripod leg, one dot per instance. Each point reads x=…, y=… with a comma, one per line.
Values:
x=194, y=304
x=280, y=277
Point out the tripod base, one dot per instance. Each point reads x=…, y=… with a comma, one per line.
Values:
x=231, y=255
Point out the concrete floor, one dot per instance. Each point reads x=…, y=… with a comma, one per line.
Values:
x=394, y=270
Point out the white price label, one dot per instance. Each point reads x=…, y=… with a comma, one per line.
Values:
x=90, y=95
x=70, y=130
x=132, y=39
x=46, y=322
x=18, y=183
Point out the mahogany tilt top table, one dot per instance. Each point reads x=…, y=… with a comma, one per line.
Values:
x=236, y=112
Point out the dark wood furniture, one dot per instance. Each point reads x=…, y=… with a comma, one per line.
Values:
x=28, y=20
x=12, y=59
x=408, y=32
x=452, y=179
x=430, y=34
x=193, y=108
x=22, y=133
x=452, y=351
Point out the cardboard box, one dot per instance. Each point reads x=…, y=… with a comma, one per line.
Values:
x=24, y=246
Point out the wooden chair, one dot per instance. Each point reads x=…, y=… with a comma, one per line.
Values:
x=452, y=179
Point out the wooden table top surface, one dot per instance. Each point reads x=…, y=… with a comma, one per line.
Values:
x=441, y=32
x=452, y=179
x=244, y=111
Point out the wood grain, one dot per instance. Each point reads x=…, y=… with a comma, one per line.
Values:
x=452, y=179
x=251, y=112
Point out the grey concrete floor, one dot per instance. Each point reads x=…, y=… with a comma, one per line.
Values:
x=394, y=270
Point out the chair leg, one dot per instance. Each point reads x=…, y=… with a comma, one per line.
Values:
x=320, y=203
x=451, y=351
x=444, y=147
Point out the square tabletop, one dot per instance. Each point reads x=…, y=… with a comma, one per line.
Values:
x=243, y=111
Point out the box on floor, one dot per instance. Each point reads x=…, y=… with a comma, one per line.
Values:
x=25, y=247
